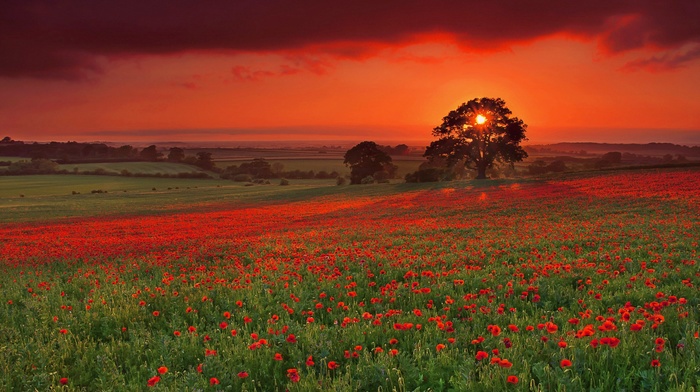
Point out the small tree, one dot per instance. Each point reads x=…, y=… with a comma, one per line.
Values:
x=480, y=132
x=176, y=154
x=150, y=153
x=366, y=159
x=204, y=160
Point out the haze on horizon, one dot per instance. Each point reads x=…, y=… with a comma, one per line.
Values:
x=624, y=71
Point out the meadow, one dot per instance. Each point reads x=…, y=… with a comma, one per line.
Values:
x=580, y=282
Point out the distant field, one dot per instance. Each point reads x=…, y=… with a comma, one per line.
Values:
x=329, y=165
x=48, y=197
x=133, y=167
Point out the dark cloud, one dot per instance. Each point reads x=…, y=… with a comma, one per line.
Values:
x=68, y=39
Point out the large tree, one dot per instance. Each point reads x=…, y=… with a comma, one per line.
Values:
x=480, y=133
x=366, y=159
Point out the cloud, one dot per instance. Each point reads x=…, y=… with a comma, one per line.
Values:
x=665, y=62
x=69, y=39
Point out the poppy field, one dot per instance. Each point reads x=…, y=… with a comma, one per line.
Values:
x=576, y=283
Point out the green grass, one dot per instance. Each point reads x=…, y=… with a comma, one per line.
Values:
x=49, y=197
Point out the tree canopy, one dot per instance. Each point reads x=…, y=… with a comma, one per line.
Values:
x=480, y=133
x=366, y=160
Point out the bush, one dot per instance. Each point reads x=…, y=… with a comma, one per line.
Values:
x=340, y=181
x=431, y=174
x=367, y=180
x=284, y=181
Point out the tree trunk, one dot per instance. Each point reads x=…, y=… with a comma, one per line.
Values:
x=481, y=172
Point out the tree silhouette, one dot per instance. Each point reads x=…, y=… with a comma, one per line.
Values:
x=364, y=160
x=480, y=132
x=176, y=154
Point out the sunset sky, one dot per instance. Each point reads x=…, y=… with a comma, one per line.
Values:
x=177, y=70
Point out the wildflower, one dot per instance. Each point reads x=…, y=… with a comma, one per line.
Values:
x=200, y=368
x=156, y=313
x=177, y=333
x=242, y=374
x=565, y=363
x=291, y=338
x=481, y=355
x=655, y=363
x=223, y=325
x=333, y=365
x=153, y=381
x=214, y=381
x=310, y=361
x=162, y=370
x=278, y=357
x=393, y=341
x=504, y=363
x=227, y=315
x=63, y=331
x=562, y=344
x=63, y=381
x=393, y=352
x=293, y=375
x=512, y=379
x=439, y=347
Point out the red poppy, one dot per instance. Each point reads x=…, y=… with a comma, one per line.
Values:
x=214, y=381
x=63, y=380
x=481, y=355
x=655, y=363
x=153, y=381
x=512, y=379
x=333, y=365
x=293, y=375
x=242, y=374
x=439, y=347
x=278, y=357
x=162, y=370
x=565, y=363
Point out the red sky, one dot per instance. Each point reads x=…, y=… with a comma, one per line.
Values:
x=177, y=70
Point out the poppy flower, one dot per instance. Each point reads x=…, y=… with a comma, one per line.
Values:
x=293, y=375
x=440, y=347
x=481, y=355
x=278, y=357
x=655, y=363
x=214, y=381
x=310, y=361
x=565, y=363
x=333, y=365
x=512, y=379
x=63, y=381
x=242, y=374
x=153, y=381
x=162, y=370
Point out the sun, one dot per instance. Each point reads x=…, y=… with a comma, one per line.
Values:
x=480, y=119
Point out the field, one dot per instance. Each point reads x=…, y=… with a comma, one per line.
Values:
x=576, y=283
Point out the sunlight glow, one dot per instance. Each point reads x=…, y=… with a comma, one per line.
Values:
x=480, y=119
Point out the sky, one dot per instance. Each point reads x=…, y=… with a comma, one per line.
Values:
x=312, y=70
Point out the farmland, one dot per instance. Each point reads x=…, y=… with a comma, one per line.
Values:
x=580, y=282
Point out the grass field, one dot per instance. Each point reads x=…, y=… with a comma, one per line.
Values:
x=576, y=283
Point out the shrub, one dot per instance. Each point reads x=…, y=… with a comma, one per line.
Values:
x=367, y=180
x=340, y=181
x=284, y=181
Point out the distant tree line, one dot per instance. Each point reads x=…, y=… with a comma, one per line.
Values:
x=78, y=152
x=260, y=168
